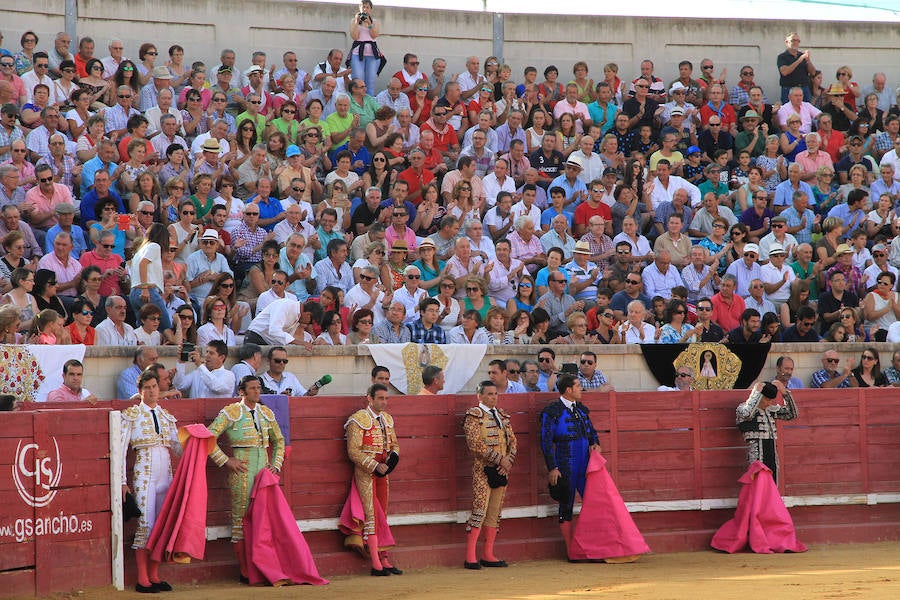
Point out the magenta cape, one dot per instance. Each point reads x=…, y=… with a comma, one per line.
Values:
x=353, y=518
x=605, y=528
x=277, y=553
x=761, y=519
x=180, y=530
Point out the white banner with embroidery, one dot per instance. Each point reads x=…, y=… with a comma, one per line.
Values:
x=30, y=372
x=406, y=361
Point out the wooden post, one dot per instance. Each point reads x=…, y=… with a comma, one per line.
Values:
x=116, y=460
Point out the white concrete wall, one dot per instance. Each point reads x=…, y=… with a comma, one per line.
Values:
x=311, y=29
x=350, y=366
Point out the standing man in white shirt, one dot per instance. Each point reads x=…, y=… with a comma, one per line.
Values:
x=210, y=379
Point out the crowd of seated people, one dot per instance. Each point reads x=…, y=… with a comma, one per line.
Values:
x=164, y=199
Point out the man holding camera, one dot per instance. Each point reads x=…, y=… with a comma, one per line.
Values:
x=492, y=442
x=210, y=379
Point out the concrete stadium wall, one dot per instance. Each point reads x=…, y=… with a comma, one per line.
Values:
x=350, y=366
x=311, y=29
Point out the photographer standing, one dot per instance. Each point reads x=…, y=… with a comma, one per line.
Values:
x=366, y=60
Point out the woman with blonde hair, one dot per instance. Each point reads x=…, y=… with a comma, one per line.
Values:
x=476, y=296
x=825, y=190
x=578, y=331
x=832, y=228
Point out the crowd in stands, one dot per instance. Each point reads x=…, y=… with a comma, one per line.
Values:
x=160, y=199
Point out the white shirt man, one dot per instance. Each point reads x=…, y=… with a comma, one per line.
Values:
x=209, y=380
x=593, y=166
x=665, y=186
x=776, y=272
x=498, y=181
x=277, y=324
x=113, y=330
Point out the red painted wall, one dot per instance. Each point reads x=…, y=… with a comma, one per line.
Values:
x=674, y=446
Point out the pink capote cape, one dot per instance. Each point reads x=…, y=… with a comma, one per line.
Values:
x=353, y=518
x=605, y=528
x=277, y=553
x=180, y=530
x=761, y=519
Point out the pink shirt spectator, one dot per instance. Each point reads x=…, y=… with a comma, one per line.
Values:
x=65, y=394
x=391, y=235
x=810, y=164
x=64, y=272
x=44, y=204
x=580, y=111
x=522, y=250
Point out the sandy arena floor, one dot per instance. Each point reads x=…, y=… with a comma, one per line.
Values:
x=845, y=572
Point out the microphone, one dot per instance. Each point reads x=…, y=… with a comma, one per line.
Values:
x=321, y=382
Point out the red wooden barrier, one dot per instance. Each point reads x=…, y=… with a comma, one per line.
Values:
x=661, y=448
x=54, y=521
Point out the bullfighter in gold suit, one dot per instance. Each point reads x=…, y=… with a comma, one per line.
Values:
x=372, y=446
x=492, y=443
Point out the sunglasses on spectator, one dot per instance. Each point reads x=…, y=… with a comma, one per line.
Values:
x=45, y=179
x=704, y=308
x=277, y=282
x=87, y=312
x=366, y=277
x=188, y=212
x=706, y=67
x=443, y=285
x=513, y=371
x=868, y=357
x=633, y=281
x=525, y=285
x=684, y=375
x=289, y=111
x=414, y=277
x=146, y=212
x=833, y=361
x=127, y=96
x=227, y=286
x=473, y=289
x=545, y=359
x=108, y=246
x=250, y=101
x=585, y=361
